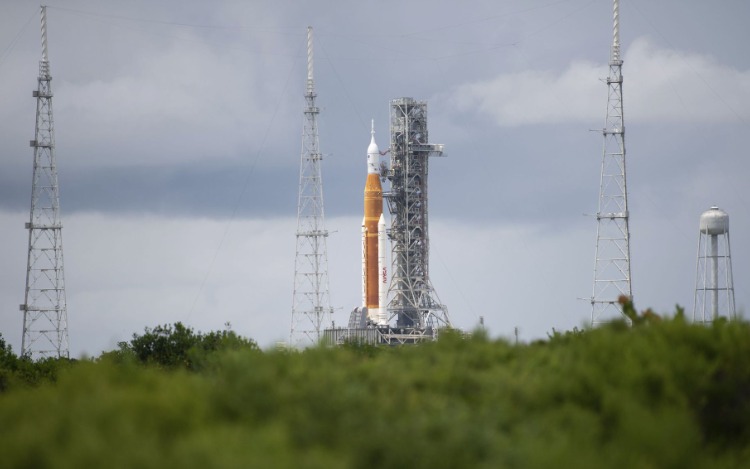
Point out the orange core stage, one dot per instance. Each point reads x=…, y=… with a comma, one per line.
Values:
x=373, y=211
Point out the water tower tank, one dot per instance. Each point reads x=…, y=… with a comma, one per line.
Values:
x=714, y=288
x=714, y=221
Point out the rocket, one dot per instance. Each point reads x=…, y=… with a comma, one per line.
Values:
x=374, y=269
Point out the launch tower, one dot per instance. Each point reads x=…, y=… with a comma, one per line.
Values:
x=612, y=259
x=311, y=308
x=414, y=305
x=413, y=301
x=45, y=315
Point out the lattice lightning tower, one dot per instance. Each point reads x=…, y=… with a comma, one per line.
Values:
x=612, y=259
x=311, y=310
x=413, y=300
x=45, y=316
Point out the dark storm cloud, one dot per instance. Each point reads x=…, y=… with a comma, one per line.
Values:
x=208, y=191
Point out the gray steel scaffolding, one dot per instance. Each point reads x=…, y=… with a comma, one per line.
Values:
x=413, y=301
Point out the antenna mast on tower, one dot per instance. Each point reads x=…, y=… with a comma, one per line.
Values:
x=612, y=259
x=311, y=309
x=45, y=316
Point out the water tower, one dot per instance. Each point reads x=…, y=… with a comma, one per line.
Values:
x=714, y=289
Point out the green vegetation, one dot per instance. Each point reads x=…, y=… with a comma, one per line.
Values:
x=178, y=346
x=21, y=371
x=663, y=393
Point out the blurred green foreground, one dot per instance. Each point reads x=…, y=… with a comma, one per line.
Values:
x=663, y=393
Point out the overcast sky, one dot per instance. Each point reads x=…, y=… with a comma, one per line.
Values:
x=178, y=138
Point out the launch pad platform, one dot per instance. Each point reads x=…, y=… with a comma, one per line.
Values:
x=361, y=330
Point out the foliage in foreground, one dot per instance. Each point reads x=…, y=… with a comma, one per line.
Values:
x=178, y=346
x=22, y=371
x=168, y=346
x=662, y=394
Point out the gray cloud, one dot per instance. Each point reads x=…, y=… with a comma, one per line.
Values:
x=178, y=121
x=662, y=84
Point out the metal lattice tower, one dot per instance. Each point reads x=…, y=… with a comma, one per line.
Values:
x=612, y=259
x=714, y=287
x=413, y=300
x=45, y=316
x=311, y=310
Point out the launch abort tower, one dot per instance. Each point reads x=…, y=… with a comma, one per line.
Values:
x=413, y=301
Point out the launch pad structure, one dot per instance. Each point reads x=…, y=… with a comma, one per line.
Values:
x=413, y=303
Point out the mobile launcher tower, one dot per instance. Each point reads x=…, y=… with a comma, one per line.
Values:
x=414, y=312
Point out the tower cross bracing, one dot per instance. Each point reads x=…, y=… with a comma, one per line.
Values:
x=413, y=300
x=612, y=260
x=45, y=316
x=714, y=286
x=311, y=310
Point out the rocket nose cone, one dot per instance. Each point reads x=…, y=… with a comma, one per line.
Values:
x=373, y=148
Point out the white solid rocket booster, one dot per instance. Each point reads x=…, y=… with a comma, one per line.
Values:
x=383, y=270
x=364, y=264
